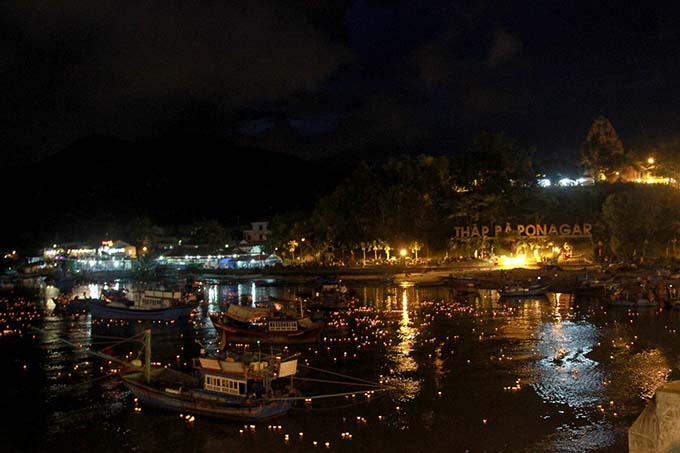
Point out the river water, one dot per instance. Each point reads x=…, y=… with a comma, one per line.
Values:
x=478, y=374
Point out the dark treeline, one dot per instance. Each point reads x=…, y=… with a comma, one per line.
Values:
x=416, y=202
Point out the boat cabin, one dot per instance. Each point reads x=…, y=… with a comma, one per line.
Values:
x=240, y=378
x=159, y=299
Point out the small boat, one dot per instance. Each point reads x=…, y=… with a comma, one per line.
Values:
x=631, y=294
x=591, y=285
x=330, y=294
x=523, y=289
x=149, y=305
x=246, y=388
x=535, y=298
x=266, y=325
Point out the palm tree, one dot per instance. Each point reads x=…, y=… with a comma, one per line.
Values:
x=292, y=245
x=375, y=246
x=415, y=247
x=387, y=249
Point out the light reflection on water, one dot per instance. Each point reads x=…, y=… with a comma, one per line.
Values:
x=551, y=374
x=405, y=365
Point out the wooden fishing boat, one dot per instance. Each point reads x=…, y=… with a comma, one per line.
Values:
x=242, y=324
x=246, y=388
x=149, y=305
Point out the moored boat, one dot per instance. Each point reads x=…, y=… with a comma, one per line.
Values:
x=148, y=305
x=249, y=325
x=241, y=388
x=523, y=289
x=329, y=294
x=591, y=285
x=631, y=294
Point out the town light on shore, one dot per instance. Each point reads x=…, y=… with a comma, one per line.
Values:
x=510, y=261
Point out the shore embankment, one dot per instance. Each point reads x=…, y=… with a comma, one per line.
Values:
x=486, y=275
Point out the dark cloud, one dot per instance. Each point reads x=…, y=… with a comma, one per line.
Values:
x=320, y=77
x=121, y=67
x=505, y=47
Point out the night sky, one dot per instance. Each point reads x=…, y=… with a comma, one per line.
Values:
x=319, y=78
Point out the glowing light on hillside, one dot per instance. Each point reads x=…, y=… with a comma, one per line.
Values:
x=510, y=261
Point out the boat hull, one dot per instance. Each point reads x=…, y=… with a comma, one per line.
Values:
x=200, y=403
x=538, y=291
x=101, y=309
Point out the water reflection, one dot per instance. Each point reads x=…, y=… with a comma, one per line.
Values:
x=547, y=374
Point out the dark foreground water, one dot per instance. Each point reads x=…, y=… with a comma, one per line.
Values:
x=480, y=375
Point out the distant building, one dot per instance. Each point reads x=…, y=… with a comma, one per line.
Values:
x=235, y=258
x=107, y=256
x=257, y=233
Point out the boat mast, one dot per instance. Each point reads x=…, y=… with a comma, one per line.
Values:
x=147, y=355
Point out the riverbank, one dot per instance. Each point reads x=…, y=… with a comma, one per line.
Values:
x=486, y=275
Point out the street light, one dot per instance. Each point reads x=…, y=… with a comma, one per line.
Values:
x=403, y=253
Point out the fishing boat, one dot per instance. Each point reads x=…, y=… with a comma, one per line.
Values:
x=148, y=305
x=247, y=388
x=328, y=294
x=520, y=289
x=631, y=294
x=242, y=324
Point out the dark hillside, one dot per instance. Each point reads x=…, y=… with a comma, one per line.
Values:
x=100, y=181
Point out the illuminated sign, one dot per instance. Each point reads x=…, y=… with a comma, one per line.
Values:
x=529, y=230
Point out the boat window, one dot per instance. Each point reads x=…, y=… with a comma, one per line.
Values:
x=282, y=326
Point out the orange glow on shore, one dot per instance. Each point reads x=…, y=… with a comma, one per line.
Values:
x=510, y=261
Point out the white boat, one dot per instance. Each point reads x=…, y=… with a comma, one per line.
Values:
x=148, y=305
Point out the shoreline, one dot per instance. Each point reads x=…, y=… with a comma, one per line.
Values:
x=485, y=275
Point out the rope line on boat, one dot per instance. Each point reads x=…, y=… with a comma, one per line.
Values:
x=330, y=395
x=375, y=385
x=334, y=407
x=337, y=374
